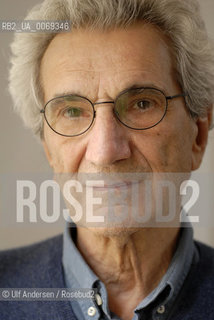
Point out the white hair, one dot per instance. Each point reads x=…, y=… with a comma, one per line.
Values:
x=179, y=20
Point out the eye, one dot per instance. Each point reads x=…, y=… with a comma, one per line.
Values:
x=144, y=104
x=72, y=112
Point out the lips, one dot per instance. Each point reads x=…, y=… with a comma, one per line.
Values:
x=110, y=181
x=113, y=186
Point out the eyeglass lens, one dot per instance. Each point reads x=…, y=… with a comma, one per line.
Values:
x=139, y=109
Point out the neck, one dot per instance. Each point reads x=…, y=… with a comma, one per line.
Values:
x=131, y=263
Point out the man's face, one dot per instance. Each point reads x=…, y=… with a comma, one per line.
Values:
x=99, y=65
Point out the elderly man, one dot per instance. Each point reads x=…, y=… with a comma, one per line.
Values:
x=128, y=90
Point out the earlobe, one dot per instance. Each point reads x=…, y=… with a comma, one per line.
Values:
x=200, y=142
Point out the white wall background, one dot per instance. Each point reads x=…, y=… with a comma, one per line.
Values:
x=20, y=152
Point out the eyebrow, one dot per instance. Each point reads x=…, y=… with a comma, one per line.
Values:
x=67, y=93
x=130, y=87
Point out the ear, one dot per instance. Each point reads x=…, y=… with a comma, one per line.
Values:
x=203, y=125
x=47, y=153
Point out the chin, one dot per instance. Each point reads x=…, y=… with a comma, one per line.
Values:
x=116, y=232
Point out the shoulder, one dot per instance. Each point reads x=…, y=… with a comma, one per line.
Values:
x=195, y=300
x=206, y=257
x=30, y=265
x=203, y=270
x=35, y=266
x=201, y=275
x=204, y=249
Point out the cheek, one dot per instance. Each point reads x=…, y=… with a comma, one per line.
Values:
x=64, y=154
x=165, y=150
x=68, y=156
x=71, y=154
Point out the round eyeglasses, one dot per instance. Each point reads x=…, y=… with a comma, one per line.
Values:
x=135, y=108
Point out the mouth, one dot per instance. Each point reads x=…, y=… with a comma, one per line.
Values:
x=112, y=186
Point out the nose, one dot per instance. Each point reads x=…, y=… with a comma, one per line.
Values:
x=107, y=142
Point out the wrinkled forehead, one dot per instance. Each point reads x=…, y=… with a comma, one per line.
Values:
x=95, y=61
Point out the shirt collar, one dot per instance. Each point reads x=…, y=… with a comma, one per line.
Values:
x=177, y=270
x=73, y=263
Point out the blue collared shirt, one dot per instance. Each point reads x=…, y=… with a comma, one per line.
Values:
x=156, y=306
